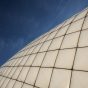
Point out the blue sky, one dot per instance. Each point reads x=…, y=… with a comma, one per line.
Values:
x=21, y=21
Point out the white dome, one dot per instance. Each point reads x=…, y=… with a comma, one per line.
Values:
x=57, y=59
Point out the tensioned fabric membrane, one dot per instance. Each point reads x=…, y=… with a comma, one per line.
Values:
x=57, y=59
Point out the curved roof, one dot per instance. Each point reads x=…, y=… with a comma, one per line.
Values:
x=57, y=59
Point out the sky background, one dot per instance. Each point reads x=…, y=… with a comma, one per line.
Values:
x=21, y=21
